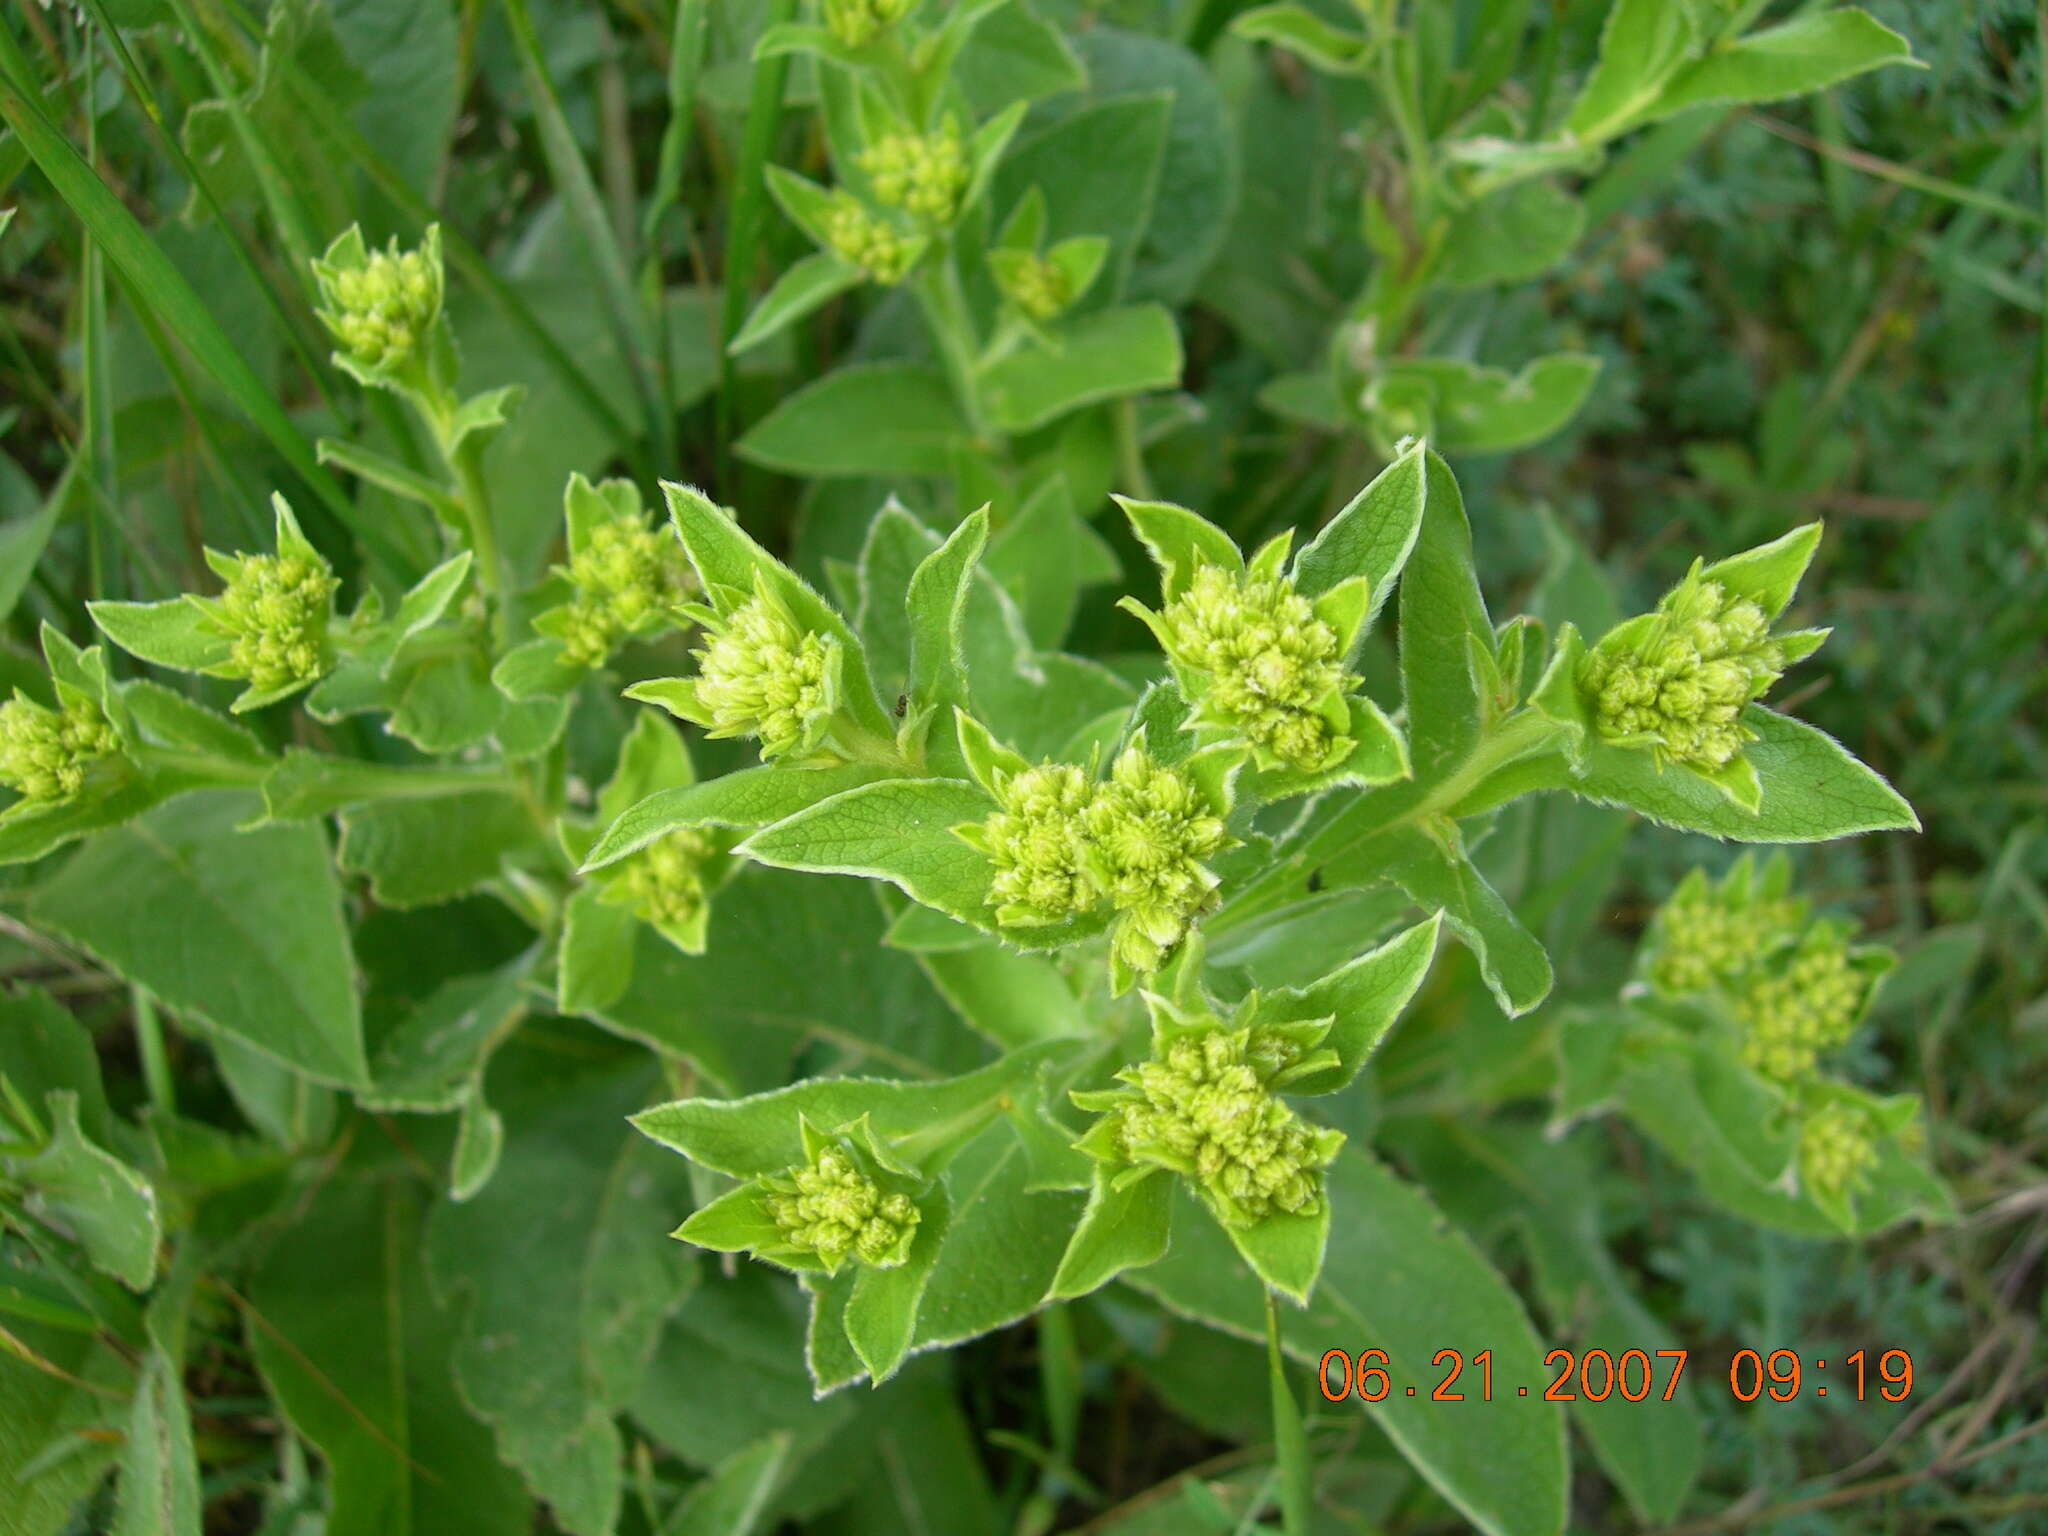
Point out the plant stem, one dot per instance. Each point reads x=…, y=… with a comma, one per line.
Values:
x=952, y=327
x=156, y=1064
x=1290, y=1442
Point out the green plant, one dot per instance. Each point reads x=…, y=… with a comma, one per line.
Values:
x=992, y=952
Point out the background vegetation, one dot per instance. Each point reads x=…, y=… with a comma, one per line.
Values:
x=1830, y=307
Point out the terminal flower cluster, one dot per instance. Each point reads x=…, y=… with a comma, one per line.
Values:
x=922, y=173
x=45, y=753
x=275, y=612
x=1706, y=937
x=1036, y=284
x=665, y=884
x=630, y=578
x=1794, y=1011
x=832, y=1210
x=1205, y=1106
x=857, y=23
x=380, y=305
x=1836, y=1149
x=762, y=674
x=866, y=240
x=1064, y=845
x=1260, y=662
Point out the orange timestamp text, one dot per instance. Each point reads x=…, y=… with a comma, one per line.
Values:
x=1634, y=1375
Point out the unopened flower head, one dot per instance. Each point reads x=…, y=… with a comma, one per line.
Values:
x=46, y=753
x=1685, y=678
x=833, y=1210
x=664, y=884
x=765, y=675
x=858, y=22
x=1035, y=842
x=921, y=173
x=1203, y=1108
x=1703, y=940
x=380, y=307
x=1271, y=666
x=629, y=578
x=1148, y=829
x=1039, y=287
x=1836, y=1149
x=1793, y=1012
x=867, y=241
x=275, y=609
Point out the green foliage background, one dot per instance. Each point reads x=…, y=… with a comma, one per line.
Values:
x=455, y=1297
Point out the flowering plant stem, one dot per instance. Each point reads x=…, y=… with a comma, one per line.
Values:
x=945, y=311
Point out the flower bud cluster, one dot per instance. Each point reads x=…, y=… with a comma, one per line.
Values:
x=764, y=675
x=1793, y=1012
x=1703, y=941
x=1203, y=1107
x=1039, y=287
x=1836, y=1149
x=1272, y=666
x=663, y=884
x=381, y=310
x=869, y=242
x=1683, y=679
x=832, y=1210
x=45, y=753
x=1034, y=841
x=276, y=609
x=921, y=173
x=1062, y=846
x=857, y=23
x=629, y=578
x=1147, y=830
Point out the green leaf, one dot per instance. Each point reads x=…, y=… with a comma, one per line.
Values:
x=242, y=928
x=734, y=1498
x=1364, y=997
x=1099, y=356
x=1471, y=409
x=747, y=798
x=429, y=1059
x=1011, y=998
x=741, y=1011
x=1398, y=1277
x=86, y=1191
x=1014, y=54
x=40, y=1413
x=1435, y=870
x=421, y=851
x=1121, y=1229
x=1441, y=610
x=936, y=606
x=899, y=830
x=1301, y=31
x=881, y=1313
x=1813, y=789
x=1511, y=236
x=865, y=419
x=159, y=1493
x=1044, y=555
x=566, y=1269
x=1179, y=541
x=305, y=784
x=1805, y=54
x=169, y=634
x=1088, y=192
x=23, y=539
x=1642, y=45
x=809, y=285
x=1371, y=537
x=359, y=1358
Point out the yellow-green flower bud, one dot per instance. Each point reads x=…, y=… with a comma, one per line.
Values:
x=763, y=675
x=1702, y=940
x=1148, y=828
x=921, y=173
x=380, y=309
x=867, y=241
x=46, y=753
x=1793, y=1012
x=1836, y=1149
x=1039, y=287
x=663, y=884
x=858, y=22
x=1034, y=841
x=1271, y=664
x=1201, y=1107
x=1684, y=678
x=275, y=609
x=832, y=1210
x=629, y=577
